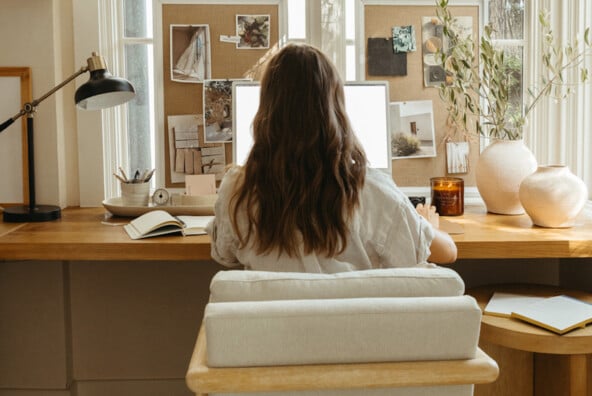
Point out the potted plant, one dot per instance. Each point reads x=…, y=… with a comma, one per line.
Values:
x=477, y=94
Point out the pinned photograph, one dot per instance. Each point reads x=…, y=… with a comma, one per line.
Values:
x=217, y=105
x=190, y=53
x=253, y=31
x=457, y=157
x=412, y=129
x=434, y=44
x=404, y=39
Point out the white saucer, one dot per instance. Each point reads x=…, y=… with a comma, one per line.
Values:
x=116, y=207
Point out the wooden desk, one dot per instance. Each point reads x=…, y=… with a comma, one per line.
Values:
x=107, y=321
x=81, y=235
x=499, y=236
x=560, y=364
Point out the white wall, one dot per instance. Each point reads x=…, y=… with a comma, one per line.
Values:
x=38, y=34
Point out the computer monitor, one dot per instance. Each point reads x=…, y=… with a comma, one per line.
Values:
x=367, y=106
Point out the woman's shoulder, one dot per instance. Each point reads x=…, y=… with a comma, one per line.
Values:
x=379, y=180
x=380, y=188
x=229, y=183
x=231, y=177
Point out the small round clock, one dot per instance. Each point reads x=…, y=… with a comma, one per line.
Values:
x=160, y=197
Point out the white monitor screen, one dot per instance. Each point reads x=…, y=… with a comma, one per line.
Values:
x=367, y=106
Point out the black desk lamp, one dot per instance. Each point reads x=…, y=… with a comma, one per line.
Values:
x=100, y=92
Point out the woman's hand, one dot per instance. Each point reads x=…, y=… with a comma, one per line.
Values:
x=430, y=214
x=443, y=249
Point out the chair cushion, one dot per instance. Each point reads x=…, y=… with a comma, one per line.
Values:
x=237, y=285
x=346, y=330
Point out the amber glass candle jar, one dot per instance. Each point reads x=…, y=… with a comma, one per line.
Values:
x=448, y=195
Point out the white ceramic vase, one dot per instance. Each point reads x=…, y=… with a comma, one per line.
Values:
x=553, y=196
x=501, y=168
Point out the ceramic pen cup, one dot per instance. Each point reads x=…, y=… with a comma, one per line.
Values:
x=448, y=195
x=135, y=194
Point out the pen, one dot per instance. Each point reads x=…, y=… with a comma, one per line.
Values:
x=149, y=175
x=121, y=179
x=124, y=175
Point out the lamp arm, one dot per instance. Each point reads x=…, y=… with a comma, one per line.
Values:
x=36, y=102
x=30, y=106
x=9, y=122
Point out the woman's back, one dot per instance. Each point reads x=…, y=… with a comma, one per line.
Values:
x=385, y=231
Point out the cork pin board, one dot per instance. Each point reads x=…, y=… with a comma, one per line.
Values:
x=226, y=60
x=378, y=23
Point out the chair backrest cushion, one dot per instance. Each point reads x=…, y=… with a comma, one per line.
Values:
x=257, y=318
x=236, y=285
x=345, y=330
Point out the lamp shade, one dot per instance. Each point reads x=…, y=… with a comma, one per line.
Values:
x=103, y=90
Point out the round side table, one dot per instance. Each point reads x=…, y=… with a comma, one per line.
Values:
x=559, y=364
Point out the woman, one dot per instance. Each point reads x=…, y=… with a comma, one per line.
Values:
x=305, y=200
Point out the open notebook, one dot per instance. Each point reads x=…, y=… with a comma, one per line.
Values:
x=160, y=222
x=559, y=314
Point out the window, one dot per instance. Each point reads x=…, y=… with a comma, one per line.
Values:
x=297, y=21
x=136, y=39
x=350, y=40
x=507, y=19
x=121, y=31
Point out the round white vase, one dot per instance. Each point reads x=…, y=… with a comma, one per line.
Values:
x=501, y=168
x=553, y=196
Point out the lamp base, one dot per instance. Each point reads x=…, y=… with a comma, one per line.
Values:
x=24, y=213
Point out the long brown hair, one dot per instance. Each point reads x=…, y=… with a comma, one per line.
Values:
x=301, y=182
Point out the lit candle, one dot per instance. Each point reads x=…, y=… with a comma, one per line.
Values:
x=448, y=195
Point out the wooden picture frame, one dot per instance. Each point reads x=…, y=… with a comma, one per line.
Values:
x=15, y=85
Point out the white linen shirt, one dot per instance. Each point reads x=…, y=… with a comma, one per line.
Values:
x=386, y=231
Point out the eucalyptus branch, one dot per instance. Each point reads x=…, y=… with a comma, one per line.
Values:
x=558, y=76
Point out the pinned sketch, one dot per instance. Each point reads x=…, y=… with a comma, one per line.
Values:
x=253, y=31
x=186, y=137
x=184, y=154
x=434, y=44
x=213, y=161
x=412, y=129
x=217, y=105
x=187, y=158
x=229, y=39
x=190, y=53
x=457, y=157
